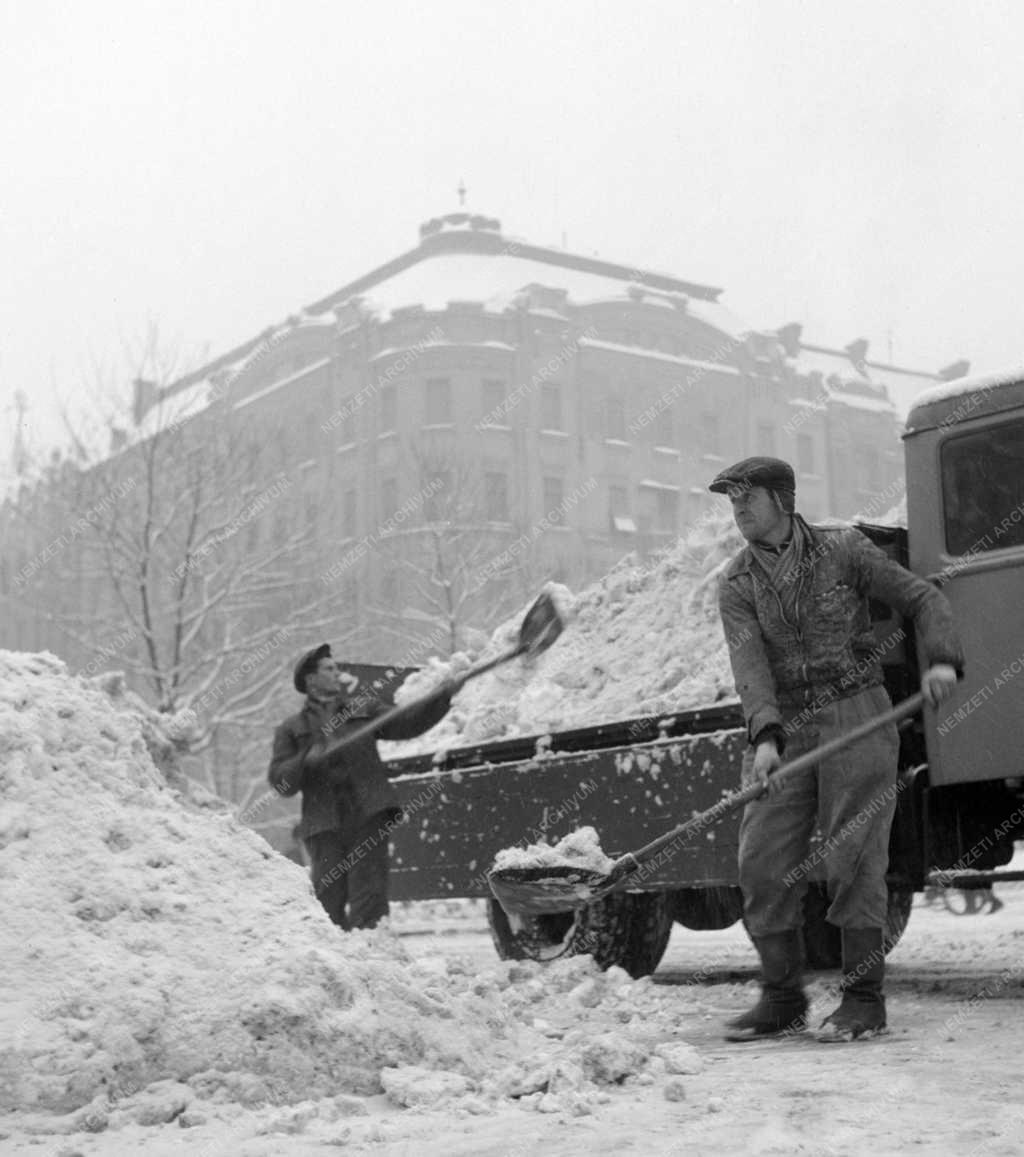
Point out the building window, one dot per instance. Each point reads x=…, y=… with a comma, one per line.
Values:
x=347, y=430
x=867, y=468
x=494, y=394
x=388, y=498
x=436, y=502
x=389, y=587
x=615, y=417
x=312, y=511
x=388, y=409
x=766, y=439
x=554, y=495
x=496, y=497
x=618, y=509
x=665, y=427
x=348, y=514
x=439, y=401
x=311, y=433
x=711, y=436
x=804, y=454
x=551, y=407
x=667, y=511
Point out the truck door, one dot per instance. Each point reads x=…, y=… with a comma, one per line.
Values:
x=976, y=553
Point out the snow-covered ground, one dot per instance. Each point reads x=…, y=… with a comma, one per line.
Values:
x=168, y=986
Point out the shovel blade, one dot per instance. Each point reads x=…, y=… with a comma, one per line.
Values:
x=543, y=891
x=541, y=625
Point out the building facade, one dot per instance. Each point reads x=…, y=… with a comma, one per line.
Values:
x=481, y=413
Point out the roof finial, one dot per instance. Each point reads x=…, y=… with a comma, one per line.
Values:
x=461, y=190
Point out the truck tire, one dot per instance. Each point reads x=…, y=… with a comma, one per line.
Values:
x=823, y=943
x=627, y=929
x=707, y=909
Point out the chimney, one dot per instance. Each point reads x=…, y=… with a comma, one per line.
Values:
x=146, y=394
x=789, y=338
x=857, y=352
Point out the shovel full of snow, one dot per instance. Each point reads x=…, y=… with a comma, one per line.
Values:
x=541, y=626
x=542, y=890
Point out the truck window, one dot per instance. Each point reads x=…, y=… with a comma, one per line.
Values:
x=983, y=489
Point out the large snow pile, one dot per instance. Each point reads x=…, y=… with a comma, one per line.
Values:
x=644, y=640
x=156, y=954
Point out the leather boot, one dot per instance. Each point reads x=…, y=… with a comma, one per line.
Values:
x=782, y=1009
x=861, y=1012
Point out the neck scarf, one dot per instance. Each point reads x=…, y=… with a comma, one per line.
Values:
x=785, y=567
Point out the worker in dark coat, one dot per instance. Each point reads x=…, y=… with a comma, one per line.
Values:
x=348, y=803
x=794, y=605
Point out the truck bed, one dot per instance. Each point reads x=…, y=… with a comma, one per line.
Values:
x=630, y=780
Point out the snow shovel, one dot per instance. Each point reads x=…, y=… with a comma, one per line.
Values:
x=563, y=888
x=541, y=625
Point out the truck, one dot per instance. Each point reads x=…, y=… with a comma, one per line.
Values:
x=960, y=803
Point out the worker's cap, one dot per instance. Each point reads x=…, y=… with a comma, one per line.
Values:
x=771, y=473
x=308, y=664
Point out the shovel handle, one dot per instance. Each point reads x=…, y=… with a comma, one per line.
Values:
x=393, y=714
x=736, y=800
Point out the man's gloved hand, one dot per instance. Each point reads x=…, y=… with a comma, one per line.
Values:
x=938, y=683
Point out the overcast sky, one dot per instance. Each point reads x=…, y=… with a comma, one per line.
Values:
x=213, y=167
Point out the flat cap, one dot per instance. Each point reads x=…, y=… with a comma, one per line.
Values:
x=307, y=665
x=771, y=473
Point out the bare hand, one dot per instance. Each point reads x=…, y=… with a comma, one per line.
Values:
x=766, y=760
x=938, y=683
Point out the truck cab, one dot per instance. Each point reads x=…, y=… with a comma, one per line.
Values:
x=964, y=446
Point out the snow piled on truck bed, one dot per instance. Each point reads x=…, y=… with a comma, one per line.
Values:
x=646, y=639
x=159, y=957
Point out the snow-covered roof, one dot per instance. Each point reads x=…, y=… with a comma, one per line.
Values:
x=495, y=279
x=828, y=365
x=877, y=405
x=943, y=391
x=947, y=401
x=657, y=355
x=274, y=386
x=903, y=388
x=174, y=409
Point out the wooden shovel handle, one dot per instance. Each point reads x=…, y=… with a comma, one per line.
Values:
x=731, y=803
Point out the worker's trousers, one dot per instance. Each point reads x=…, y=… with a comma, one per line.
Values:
x=850, y=797
x=350, y=871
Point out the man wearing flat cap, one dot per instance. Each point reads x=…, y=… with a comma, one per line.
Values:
x=348, y=803
x=794, y=606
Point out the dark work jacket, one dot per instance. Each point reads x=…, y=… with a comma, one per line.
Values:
x=830, y=650
x=355, y=786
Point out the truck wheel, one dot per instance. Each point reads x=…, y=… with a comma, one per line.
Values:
x=707, y=909
x=627, y=929
x=823, y=941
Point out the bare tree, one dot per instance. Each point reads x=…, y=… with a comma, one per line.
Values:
x=451, y=564
x=193, y=568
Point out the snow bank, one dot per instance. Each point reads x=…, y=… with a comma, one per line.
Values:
x=644, y=640
x=158, y=955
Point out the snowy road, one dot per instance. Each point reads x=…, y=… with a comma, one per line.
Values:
x=946, y=1079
